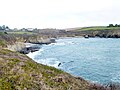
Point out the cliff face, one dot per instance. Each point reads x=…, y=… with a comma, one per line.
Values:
x=16, y=42
x=97, y=33
x=33, y=38
x=17, y=46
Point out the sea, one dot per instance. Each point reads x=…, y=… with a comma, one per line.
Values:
x=95, y=59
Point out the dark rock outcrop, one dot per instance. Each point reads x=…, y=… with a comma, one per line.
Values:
x=27, y=50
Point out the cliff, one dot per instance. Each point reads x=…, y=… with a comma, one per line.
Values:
x=102, y=32
x=16, y=42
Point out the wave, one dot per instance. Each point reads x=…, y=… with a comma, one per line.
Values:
x=58, y=44
x=62, y=43
x=47, y=61
x=50, y=62
x=33, y=54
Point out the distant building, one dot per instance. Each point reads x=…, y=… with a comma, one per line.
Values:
x=7, y=29
x=30, y=29
x=23, y=29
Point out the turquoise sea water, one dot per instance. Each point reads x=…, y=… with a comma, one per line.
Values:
x=95, y=59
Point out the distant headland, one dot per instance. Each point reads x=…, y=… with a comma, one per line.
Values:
x=110, y=31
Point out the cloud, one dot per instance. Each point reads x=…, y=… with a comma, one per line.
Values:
x=58, y=13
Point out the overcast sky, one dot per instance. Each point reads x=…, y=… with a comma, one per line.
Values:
x=58, y=13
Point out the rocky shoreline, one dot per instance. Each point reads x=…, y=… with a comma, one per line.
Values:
x=35, y=46
x=96, y=33
x=24, y=48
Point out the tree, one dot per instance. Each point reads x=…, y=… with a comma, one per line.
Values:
x=119, y=25
x=3, y=27
x=0, y=28
x=116, y=25
x=7, y=27
x=111, y=25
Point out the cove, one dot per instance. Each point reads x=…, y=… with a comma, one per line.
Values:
x=94, y=59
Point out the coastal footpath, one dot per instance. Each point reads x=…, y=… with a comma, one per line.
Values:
x=19, y=72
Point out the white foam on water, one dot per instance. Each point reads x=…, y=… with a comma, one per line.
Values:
x=33, y=54
x=70, y=43
x=62, y=43
x=116, y=77
x=58, y=44
x=49, y=61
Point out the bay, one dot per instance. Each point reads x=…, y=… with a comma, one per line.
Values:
x=94, y=59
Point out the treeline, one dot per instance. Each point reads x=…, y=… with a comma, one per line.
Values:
x=4, y=27
x=112, y=25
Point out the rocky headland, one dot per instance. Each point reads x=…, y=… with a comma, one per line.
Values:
x=17, y=43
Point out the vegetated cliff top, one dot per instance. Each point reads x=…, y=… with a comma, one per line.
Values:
x=93, y=28
x=100, y=28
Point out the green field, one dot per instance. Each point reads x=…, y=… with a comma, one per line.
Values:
x=20, y=32
x=99, y=28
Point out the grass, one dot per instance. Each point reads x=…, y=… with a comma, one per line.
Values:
x=2, y=33
x=2, y=43
x=98, y=28
x=29, y=75
x=20, y=32
x=5, y=51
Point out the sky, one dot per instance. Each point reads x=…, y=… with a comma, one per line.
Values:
x=58, y=13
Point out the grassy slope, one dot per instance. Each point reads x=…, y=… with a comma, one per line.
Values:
x=17, y=71
x=6, y=39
